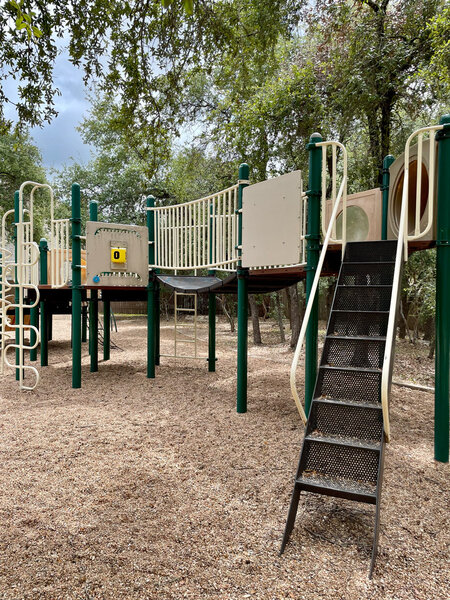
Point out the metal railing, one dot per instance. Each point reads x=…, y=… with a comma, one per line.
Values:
x=202, y=234
x=336, y=198
x=402, y=247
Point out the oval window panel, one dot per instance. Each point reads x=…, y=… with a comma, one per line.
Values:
x=357, y=224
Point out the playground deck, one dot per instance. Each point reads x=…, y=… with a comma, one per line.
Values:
x=156, y=489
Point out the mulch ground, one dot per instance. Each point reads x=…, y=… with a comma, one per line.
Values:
x=157, y=489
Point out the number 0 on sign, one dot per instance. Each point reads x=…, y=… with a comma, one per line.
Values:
x=119, y=255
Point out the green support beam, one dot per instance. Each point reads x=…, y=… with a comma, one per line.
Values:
x=387, y=162
x=211, y=330
x=151, y=299
x=93, y=307
x=442, y=370
x=34, y=322
x=106, y=329
x=314, y=194
x=211, y=309
x=242, y=274
x=76, y=286
x=84, y=323
x=43, y=249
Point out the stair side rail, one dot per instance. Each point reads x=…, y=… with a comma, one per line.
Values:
x=341, y=196
x=402, y=250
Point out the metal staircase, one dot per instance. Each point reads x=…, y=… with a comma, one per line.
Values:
x=343, y=447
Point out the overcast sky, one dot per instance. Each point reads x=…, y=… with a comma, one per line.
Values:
x=60, y=142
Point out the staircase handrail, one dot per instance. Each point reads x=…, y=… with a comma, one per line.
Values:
x=341, y=196
x=402, y=254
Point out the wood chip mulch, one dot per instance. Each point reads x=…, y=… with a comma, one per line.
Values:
x=131, y=488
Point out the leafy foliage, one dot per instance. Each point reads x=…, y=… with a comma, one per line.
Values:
x=20, y=161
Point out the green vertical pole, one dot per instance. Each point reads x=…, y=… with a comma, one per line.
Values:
x=84, y=323
x=43, y=249
x=314, y=194
x=242, y=275
x=442, y=369
x=16, y=290
x=93, y=307
x=76, y=286
x=106, y=329
x=157, y=319
x=387, y=162
x=211, y=312
x=34, y=322
x=151, y=304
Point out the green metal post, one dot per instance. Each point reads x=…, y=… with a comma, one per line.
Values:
x=106, y=329
x=34, y=322
x=211, y=312
x=212, y=332
x=16, y=290
x=76, y=286
x=157, y=320
x=314, y=194
x=242, y=303
x=442, y=369
x=387, y=162
x=151, y=304
x=93, y=307
x=84, y=323
x=43, y=249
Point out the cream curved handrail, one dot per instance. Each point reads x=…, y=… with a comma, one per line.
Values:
x=340, y=196
x=402, y=254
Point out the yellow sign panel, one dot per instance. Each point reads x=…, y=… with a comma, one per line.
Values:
x=119, y=255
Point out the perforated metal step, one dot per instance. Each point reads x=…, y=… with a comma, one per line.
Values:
x=358, y=464
x=367, y=273
x=367, y=298
x=370, y=251
x=353, y=352
x=339, y=487
x=345, y=423
x=351, y=323
x=344, y=384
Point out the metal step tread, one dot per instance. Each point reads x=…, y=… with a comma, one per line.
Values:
x=350, y=403
x=362, y=338
x=364, y=285
x=367, y=312
x=370, y=262
x=351, y=369
x=337, y=484
x=337, y=440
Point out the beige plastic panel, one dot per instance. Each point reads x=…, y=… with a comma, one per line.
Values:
x=396, y=187
x=364, y=213
x=101, y=240
x=271, y=221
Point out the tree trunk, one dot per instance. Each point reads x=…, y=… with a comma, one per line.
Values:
x=229, y=312
x=295, y=315
x=432, y=346
x=255, y=320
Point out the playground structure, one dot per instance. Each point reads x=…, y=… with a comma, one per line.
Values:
x=215, y=234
